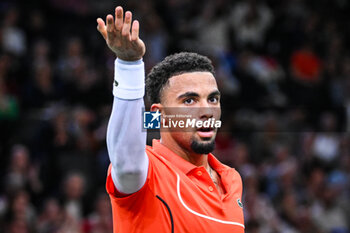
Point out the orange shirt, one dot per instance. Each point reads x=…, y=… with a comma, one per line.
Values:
x=179, y=197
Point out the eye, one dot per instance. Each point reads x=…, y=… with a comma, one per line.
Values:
x=213, y=100
x=189, y=101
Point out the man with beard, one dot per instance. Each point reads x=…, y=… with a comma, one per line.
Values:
x=176, y=185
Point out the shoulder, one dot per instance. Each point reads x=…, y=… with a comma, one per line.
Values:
x=234, y=178
x=154, y=157
x=234, y=174
x=237, y=181
x=237, y=176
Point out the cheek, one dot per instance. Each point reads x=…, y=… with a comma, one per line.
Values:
x=217, y=113
x=183, y=137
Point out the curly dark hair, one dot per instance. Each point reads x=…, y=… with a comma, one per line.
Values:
x=173, y=65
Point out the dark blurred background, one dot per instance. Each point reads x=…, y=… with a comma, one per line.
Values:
x=283, y=68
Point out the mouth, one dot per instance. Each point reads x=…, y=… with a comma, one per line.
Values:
x=205, y=132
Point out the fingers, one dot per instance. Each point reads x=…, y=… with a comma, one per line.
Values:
x=135, y=31
x=119, y=18
x=127, y=26
x=117, y=30
x=110, y=27
x=101, y=27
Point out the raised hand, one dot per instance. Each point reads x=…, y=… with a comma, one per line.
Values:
x=122, y=38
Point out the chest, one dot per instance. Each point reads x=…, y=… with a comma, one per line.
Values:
x=197, y=205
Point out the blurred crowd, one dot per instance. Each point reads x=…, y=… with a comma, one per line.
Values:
x=283, y=68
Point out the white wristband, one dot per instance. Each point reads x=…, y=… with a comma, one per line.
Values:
x=129, y=79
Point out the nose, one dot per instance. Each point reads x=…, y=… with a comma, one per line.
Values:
x=205, y=111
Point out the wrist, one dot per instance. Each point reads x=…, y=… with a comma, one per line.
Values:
x=129, y=59
x=129, y=79
x=124, y=62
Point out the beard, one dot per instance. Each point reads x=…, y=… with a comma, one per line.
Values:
x=203, y=147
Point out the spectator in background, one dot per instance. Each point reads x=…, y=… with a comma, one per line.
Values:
x=297, y=216
x=42, y=86
x=73, y=197
x=17, y=226
x=20, y=214
x=326, y=145
x=56, y=219
x=265, y=74
x=306, y=70
x=83, y=133
x=280, y=172
x=41, y=53
x=9, y=108
x=43, y=90
x=71, y=61
x=100, y=220
x=36, y=26
x=211, y=28
x=334, y=90
x=22, y=174
x=62, y=139
x=315, y=182
x=13, y=37
x=250, y=21
x=51, y=217
x=225, y=144
x=80, y=79
x=306, y=65
x=258, y=207
x=154, y=35
x=328, y=214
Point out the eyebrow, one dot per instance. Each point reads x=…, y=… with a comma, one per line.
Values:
x=194, y=94
x=215, y=93
x=188, y=94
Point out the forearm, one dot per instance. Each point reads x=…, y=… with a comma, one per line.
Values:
x=126, y=141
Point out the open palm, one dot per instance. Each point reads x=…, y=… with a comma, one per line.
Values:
x=122, y=38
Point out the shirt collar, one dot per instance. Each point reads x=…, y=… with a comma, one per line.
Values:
x=181, y=163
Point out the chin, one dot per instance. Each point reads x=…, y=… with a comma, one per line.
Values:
x=203, y=145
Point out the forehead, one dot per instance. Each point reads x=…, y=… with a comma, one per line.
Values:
x=200, y=82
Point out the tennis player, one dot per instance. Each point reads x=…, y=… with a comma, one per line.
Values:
x=176, y=185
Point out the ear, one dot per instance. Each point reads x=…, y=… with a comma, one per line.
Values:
x=155, y=107
x=159, y=107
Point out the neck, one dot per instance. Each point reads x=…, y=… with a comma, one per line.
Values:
x=185, y=153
